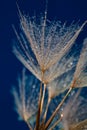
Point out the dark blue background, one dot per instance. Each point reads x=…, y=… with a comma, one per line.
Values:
x=64, y=10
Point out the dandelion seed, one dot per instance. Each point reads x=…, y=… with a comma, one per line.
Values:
x=47, y=46
x=80, y=75
x=26, y=106
x=74, y=112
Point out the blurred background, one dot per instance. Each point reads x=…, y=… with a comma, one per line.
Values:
x=62, y=10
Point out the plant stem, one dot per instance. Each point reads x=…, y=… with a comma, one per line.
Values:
x=29, y=126
x=58, y=107
x=39, y=108
x=49, y=99
x=42, y=101
x=56, y=123
x=41, y=98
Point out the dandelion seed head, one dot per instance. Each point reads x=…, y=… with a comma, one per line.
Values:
x=42, y=44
